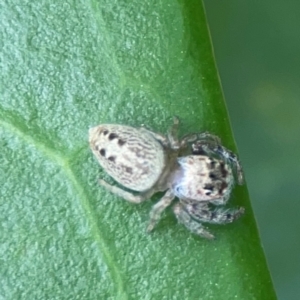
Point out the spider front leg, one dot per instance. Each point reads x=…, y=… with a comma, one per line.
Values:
x=172, y=137
x=224, y=153
x=185, y=218
x=127, y=195
x=158, y=208
x=204, y=138
x=234, y=160
x=203, y=213
x=159, y=137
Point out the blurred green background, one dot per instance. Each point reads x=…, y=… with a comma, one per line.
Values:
x=257, y=48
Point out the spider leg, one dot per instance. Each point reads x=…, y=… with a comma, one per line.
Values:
x=158, y=208
x=158, y=136
x=171, y=140
x=233, y=160
x=173, y=134
x=210, y=148
x=203, y=213
x=203, y=138
x=185, y=218
x=138, y=198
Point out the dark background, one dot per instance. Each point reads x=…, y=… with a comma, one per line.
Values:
x=257, y=48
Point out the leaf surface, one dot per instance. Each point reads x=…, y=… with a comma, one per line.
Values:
x=64, y=68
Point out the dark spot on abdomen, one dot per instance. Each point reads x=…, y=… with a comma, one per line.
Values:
x=102, y=152
x=128, y=170
x=121, y=142
x=112, y=158
x=112, y=136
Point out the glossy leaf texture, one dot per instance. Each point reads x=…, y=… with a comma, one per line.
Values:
x=67, y=66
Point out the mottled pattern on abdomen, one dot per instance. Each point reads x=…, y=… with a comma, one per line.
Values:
x=133, y=157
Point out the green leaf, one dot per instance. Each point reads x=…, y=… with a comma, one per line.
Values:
x=67, y=66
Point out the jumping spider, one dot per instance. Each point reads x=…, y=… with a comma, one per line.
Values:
x=148, y=162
